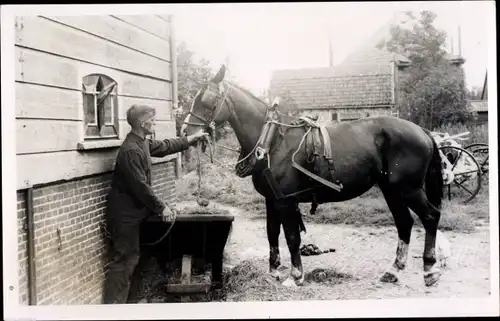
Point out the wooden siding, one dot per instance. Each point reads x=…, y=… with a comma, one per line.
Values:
x=49, y=36
x=123, y=34
x=52, y=56
x=50, y=70
x=152, y=24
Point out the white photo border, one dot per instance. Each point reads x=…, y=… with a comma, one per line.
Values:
x=303, y=309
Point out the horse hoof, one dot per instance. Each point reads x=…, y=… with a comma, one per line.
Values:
x=274, y=273
x=293, y=282
x=289, y=282
x=432, y=277
x=389, y=277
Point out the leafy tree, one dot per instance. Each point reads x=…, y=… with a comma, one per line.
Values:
x=475, y=93
x=191, y=76
x=432, y=90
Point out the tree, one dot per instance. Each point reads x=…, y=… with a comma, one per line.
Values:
x=191, y=76
x=433, y=91
x=475, y=93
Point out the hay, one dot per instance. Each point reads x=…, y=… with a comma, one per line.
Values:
x=203, y=210
x=248, y=282
x=328, y=276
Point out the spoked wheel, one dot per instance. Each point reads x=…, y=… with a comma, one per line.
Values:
x=480, y=151
x=466, y=171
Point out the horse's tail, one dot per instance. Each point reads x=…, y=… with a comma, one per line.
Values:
x=434, y=177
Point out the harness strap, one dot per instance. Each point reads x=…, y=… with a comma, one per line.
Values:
x=337, y=187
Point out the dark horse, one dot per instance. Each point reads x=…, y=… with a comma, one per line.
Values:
x=399, y=156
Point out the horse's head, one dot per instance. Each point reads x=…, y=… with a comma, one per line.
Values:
x=209, y=108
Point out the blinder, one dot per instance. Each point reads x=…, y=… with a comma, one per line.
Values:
x=210, y=96
x=212, y=101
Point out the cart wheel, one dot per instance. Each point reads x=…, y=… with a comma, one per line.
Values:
x=481, y=152
x=467, y=173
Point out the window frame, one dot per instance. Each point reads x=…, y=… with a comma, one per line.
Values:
x=100, y=123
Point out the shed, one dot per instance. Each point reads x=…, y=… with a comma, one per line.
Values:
x=67, y=143
x=363, y=85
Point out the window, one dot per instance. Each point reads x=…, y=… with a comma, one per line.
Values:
x=100, y=107
x=349, y=116
x=335, y=117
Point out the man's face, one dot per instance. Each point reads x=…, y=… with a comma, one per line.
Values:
x=149, y=125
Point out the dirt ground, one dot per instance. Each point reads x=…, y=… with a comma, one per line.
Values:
x=363, y=254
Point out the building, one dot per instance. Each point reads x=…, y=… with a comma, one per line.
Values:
x=68, y=133
x=365, y=84
x=480, y=107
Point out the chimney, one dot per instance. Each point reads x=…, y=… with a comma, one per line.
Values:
x=459, y=42
x=330, y=50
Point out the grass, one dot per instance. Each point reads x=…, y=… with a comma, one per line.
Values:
x=220, y=184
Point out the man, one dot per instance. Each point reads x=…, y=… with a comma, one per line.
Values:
x=131, y=199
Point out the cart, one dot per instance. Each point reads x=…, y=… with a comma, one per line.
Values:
x=463, y=171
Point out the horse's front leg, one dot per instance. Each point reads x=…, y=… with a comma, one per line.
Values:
x=291, y=220
x=273, y=233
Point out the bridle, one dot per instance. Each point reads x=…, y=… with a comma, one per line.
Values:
x=213, y=111
x=215, y=100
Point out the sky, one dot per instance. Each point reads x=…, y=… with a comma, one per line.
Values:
x=262, y=37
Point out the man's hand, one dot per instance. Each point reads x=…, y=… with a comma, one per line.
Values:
x=200, y=135
x=169, y=214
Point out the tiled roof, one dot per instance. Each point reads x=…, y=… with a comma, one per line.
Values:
x=363, y=79
x=375, y=56
x=479, y=105
x=327, y=92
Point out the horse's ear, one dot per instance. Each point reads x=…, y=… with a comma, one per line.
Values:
x=219, y=77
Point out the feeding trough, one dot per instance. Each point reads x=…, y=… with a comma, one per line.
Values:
x=196, y=239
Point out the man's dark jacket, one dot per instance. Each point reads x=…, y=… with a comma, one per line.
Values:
x=131, y=197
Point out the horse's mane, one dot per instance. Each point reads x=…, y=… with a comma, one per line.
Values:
x=248, y=92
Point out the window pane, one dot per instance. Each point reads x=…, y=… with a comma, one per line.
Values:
x=89, y=108
x=105, y=80
x=92, y=131
x=108, y=110
x=90, y=80
x=109, y=131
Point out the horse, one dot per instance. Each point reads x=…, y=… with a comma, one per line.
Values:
x=399, y=156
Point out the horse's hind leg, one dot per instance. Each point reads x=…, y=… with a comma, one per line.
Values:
x=404, y=224
x=429, y=216
x=273, y=226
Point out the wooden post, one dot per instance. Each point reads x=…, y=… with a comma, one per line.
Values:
x=186, y=274
x=395, y=86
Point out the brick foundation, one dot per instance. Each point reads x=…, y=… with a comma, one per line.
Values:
x=70, y=250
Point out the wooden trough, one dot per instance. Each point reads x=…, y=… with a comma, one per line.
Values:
x=194, y=238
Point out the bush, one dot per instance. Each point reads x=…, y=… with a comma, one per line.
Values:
x=478, y=133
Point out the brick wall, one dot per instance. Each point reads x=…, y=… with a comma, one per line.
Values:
x=70, y=250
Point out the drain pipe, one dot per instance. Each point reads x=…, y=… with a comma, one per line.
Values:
x=31, y=246
x=174, y=78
